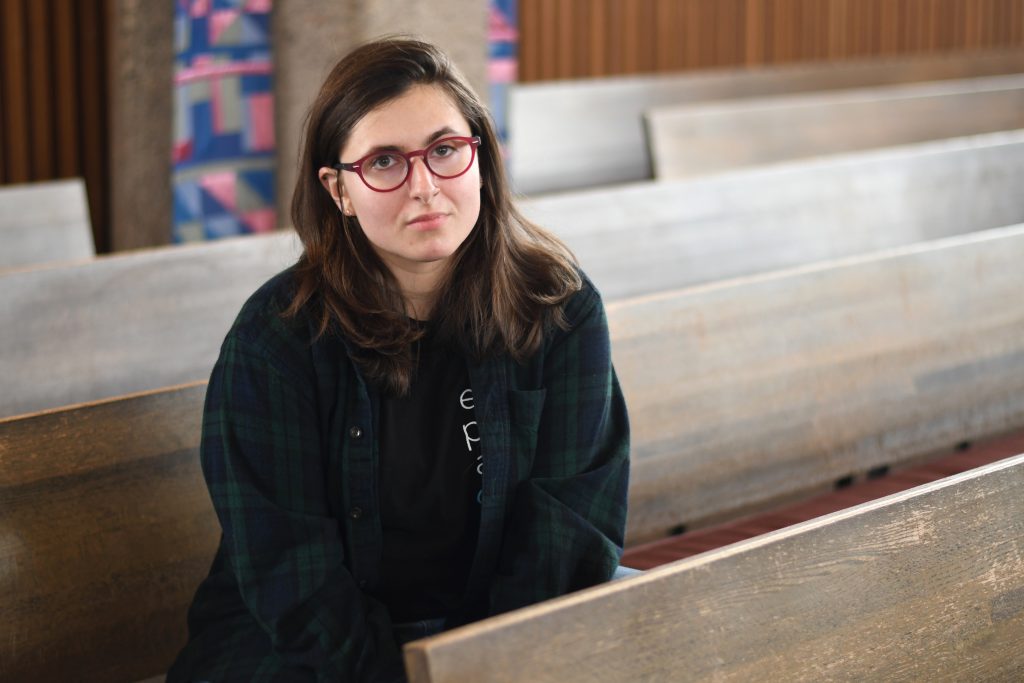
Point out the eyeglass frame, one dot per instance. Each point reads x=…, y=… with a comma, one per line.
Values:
x=357, y=165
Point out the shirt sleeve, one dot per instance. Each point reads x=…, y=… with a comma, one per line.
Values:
x=261, y=456
x=567, y=523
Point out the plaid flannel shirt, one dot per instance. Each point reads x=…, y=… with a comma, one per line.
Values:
x=289, y=455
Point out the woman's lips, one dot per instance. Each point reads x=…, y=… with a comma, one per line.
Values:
x=428, y=221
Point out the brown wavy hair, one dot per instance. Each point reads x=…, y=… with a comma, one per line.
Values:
x=506, y=284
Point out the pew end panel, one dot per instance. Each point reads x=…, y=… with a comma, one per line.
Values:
x=44, y=222
x=106, y=533
x=927, y=584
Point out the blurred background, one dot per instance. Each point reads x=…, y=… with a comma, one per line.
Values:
x=183, y=117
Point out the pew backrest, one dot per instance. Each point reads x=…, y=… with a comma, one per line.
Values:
x=126, y=323
x=139, y=321
x=651, y=236
x=692, y=140
x=43, y=222
x=774, y=386
x=588, y=132
x=923, y=585
x=107, y=531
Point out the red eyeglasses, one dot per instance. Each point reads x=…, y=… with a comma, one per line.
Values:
x=387, y=171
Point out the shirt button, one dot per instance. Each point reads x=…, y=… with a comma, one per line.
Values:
x=355, y=432
x=355, y=513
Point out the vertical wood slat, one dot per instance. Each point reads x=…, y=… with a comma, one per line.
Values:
x=67, y=84
x=41, y=104
x=641, y=36
x=53, y=74
x=17, y=161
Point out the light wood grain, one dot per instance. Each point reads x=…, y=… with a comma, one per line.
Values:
x=106, y=531
x=927, y=584
x=762, y=385
x=693, y=140
x=644, y=237
x=751, y=390
x=44, y=222
x=126, y=323
x=86, y=333
x=582, y=133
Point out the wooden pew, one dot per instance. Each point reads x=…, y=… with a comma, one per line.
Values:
x=927, y=584
x=693, y=140
x=768, y=385
x=106, y=531
x=646, y=237
x=126, y=323
x=773, y=386
x=848, y=492
x=42, y=222
x=582, y=133
x=140, y=321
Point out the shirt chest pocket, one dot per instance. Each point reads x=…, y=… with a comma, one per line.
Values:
x=525, y=410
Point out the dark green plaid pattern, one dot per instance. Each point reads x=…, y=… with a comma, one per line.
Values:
x=289, y=455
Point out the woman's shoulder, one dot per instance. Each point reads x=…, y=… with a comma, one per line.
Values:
x=584, y=303
x=262, y=320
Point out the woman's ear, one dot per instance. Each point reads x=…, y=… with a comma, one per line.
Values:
x=331, y=180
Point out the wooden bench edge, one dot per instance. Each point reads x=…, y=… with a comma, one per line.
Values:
x=417, y=653
x=103, y=401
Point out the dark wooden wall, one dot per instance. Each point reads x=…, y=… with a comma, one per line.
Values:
x=581, y=38
x=53, y=96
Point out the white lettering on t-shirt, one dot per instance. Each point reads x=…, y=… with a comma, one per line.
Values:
x=471, y=432
x=470, y=440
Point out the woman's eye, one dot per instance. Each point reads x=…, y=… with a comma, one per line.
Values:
x=443, y=150
x=383, y=162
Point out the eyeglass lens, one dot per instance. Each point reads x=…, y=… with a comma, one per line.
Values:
x=445, y=158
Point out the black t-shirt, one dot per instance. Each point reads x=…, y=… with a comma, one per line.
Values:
x=430, y=483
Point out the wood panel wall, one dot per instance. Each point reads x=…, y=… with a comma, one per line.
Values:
x=53, y=97
x=582, y=38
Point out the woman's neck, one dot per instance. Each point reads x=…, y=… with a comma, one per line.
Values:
x=419, y=290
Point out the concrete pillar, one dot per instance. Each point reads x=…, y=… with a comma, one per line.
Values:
x=140, y=110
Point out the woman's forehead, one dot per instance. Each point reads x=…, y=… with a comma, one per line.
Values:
x=409, y=120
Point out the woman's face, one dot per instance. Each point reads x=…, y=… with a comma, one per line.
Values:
x=416, y=228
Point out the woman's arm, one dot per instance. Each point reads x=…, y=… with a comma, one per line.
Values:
x=567, y=523
x=261, y=455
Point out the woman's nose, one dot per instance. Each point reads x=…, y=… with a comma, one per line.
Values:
x=422, y=183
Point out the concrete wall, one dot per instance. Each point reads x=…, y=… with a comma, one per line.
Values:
x=309, y=37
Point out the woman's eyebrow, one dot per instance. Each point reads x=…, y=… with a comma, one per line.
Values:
x=436, y=135
x=447, y=130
